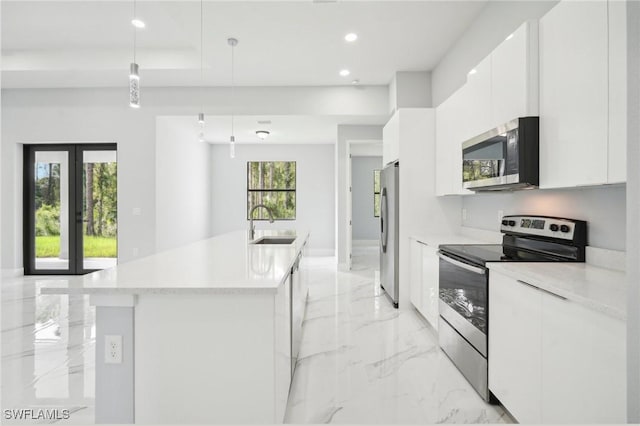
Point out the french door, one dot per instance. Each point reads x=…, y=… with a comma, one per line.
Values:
x=70, y=208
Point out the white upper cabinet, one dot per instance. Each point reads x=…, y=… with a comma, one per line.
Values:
x=476, y=101
x=391, y=139
x=450, y=133
x=617, y=167
x=503, y=86
x=574, y=95
x=514, y=76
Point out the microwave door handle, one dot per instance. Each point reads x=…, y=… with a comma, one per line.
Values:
x=384, y=234
x=462, y=265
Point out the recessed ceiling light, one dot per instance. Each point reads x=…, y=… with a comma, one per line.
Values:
x=138, y=23
x=262, y=134
x=345, y=73
x=351, y=37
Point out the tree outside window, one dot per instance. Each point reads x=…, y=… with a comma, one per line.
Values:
x=272, y=183
x=376, y=193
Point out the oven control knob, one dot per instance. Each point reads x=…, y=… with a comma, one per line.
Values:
x=554, y=227
x=505, y=222
x=512, y=223
x=564, y=228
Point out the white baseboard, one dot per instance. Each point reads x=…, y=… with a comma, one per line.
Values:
x=365, y=243
x=315, y=252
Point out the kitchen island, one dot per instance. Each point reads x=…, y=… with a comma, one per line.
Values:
x=207, y=331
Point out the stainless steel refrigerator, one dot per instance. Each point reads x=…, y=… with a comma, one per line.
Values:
x=389, y=239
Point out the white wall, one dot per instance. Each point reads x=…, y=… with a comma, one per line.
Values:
x=602, y=207
x=183, y=186
x=365, y=225
x=495, y=22
x=315, y=186
x=347, y=134
x=103, y=115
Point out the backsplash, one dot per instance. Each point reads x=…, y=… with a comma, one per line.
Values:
x=604, y=208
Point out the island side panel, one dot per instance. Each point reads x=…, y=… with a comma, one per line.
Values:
x=205, y=358
x=282, y=349
x=115, y=382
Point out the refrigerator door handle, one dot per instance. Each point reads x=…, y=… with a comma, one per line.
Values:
x=384, y=234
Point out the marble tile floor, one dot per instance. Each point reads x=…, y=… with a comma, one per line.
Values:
x=361, y=360
x=48, y=351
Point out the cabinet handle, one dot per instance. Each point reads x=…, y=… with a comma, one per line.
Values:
x=542, y=289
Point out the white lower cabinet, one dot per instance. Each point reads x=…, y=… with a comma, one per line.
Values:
x=515, y=356
x=552, y=360
x=424, y=281
x=583, y=364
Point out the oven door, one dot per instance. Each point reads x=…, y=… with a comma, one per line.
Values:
x=464, y=299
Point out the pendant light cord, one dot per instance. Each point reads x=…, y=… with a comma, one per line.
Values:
x=135, y=32
x=233, y=93
x=201, y=54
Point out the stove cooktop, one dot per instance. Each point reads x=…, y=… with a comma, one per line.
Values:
x=483, y=253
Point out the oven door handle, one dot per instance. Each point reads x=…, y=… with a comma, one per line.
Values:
x=466, y=266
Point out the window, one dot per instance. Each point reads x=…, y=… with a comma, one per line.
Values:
x=272, y=183
x=376, y=193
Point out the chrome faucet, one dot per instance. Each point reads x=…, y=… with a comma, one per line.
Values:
x=252, y=229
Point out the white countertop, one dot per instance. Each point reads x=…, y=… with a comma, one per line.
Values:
x=222, y=264
x=597, y=288
x=466, y=236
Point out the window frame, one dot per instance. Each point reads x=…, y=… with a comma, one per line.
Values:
x=294, y=191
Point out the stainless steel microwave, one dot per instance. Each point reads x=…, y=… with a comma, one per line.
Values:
x=504, y=158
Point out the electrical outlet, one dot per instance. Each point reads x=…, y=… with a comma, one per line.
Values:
x=112, y=349
x=137, y=211
x=464, y=214
x=500, y=214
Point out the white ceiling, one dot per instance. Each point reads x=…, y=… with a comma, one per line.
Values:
x=284, y=129
x=289, y=43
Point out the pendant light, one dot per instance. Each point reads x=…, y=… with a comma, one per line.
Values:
x=232, y=140
x=134, y=77
x=201, y=113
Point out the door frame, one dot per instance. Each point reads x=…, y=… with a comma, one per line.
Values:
x=76, y=236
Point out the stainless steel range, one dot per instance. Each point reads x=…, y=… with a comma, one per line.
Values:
x=464, y=283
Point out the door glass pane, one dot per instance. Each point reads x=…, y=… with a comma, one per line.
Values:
x=99, y=209
x=51, y=174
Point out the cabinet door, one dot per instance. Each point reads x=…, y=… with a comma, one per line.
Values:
x=459, y=132
x=476, y=104
x=282, y=348
x=573, y=94
x=617, y=167
x=515, y=370
x=514, y=76
x=415, y=273
x=391, y=139
x=430, y=284
x=583, y=364
x=444, y=124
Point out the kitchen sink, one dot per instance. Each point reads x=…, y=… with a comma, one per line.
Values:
x=274, y=240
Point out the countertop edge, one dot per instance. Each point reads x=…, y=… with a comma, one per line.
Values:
x=549, y=287
x=270, y=287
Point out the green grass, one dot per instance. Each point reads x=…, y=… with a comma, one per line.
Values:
x=49, y=246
